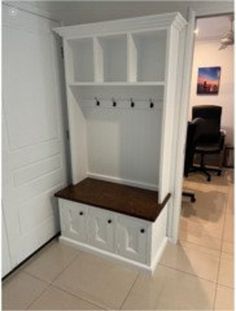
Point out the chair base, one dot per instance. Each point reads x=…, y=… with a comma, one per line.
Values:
x=190, y=195
x=205, y=170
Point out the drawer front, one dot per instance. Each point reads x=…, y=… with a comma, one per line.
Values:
x=101, y=229
x=132, y=238
x=73, y=218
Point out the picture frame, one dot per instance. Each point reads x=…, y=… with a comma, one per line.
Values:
x=208, y=80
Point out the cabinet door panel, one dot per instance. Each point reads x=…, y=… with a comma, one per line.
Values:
x=101, y=227
x=132, y=238
x=74, y=220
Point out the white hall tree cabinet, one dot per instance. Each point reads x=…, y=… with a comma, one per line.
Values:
x=122, y=87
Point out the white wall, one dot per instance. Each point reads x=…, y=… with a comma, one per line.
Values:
x=207, y=54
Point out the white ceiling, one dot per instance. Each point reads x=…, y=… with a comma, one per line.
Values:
x=212, y=27
x=80, y=12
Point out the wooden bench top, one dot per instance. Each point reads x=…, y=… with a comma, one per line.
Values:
x=132, y=201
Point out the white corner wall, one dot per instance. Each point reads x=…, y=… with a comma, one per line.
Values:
x=207, y=54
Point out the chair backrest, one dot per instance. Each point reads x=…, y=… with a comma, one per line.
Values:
x=212, y=116
x=194, y=131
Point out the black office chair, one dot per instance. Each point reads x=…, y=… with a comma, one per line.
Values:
x=210, y=138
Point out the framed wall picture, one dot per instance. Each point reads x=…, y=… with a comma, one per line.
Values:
x=208, y=80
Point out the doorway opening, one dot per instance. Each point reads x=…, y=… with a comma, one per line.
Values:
x=206, y=221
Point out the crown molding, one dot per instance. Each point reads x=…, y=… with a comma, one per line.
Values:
x=150, y=22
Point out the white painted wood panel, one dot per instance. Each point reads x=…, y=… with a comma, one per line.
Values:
x=114, y=54
x=77, y=125
x=74, y=220
x=151, y=52
x=168, y=115
x=133, y=238
x=159, y=234
x=121, y=142
x=101, y=229
x=82, y=53
x=34, y=164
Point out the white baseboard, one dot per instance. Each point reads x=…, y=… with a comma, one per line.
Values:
x=123, y=181
x=108, y=255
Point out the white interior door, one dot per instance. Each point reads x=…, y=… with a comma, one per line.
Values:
x=6, y=263
x=34, y=165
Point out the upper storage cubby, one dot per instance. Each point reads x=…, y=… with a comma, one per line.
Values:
x=111, y=61
x=82, y=60
x=147, y=56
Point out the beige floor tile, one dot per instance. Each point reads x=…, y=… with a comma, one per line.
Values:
x=170, y=289
x=209, y=207
x=230, y=202
x=202, y=223
x=56, y=299
x=199, y=238
x=226, y=270
x=224, y=298
x=51, y=261
x=19, y=290
x=98, y=280
x=228, y=247
x=228, y=228
x=219, y=182
x=203, y=228
x=188, y=257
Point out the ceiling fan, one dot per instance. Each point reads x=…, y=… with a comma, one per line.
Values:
x=228, y=38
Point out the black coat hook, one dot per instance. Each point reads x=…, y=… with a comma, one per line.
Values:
x=132, y=103
x=114, y=104
x=151, y=104
x=97, y=101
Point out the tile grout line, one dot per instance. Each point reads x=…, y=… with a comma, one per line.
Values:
x=102, y=306
x=188, y=273
x=129, y=291
x=68, y=292
x=226, y=193
x=49, y=283
x=36, y=298
x=203, y=248
x=214, y=249
x=226, y=286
